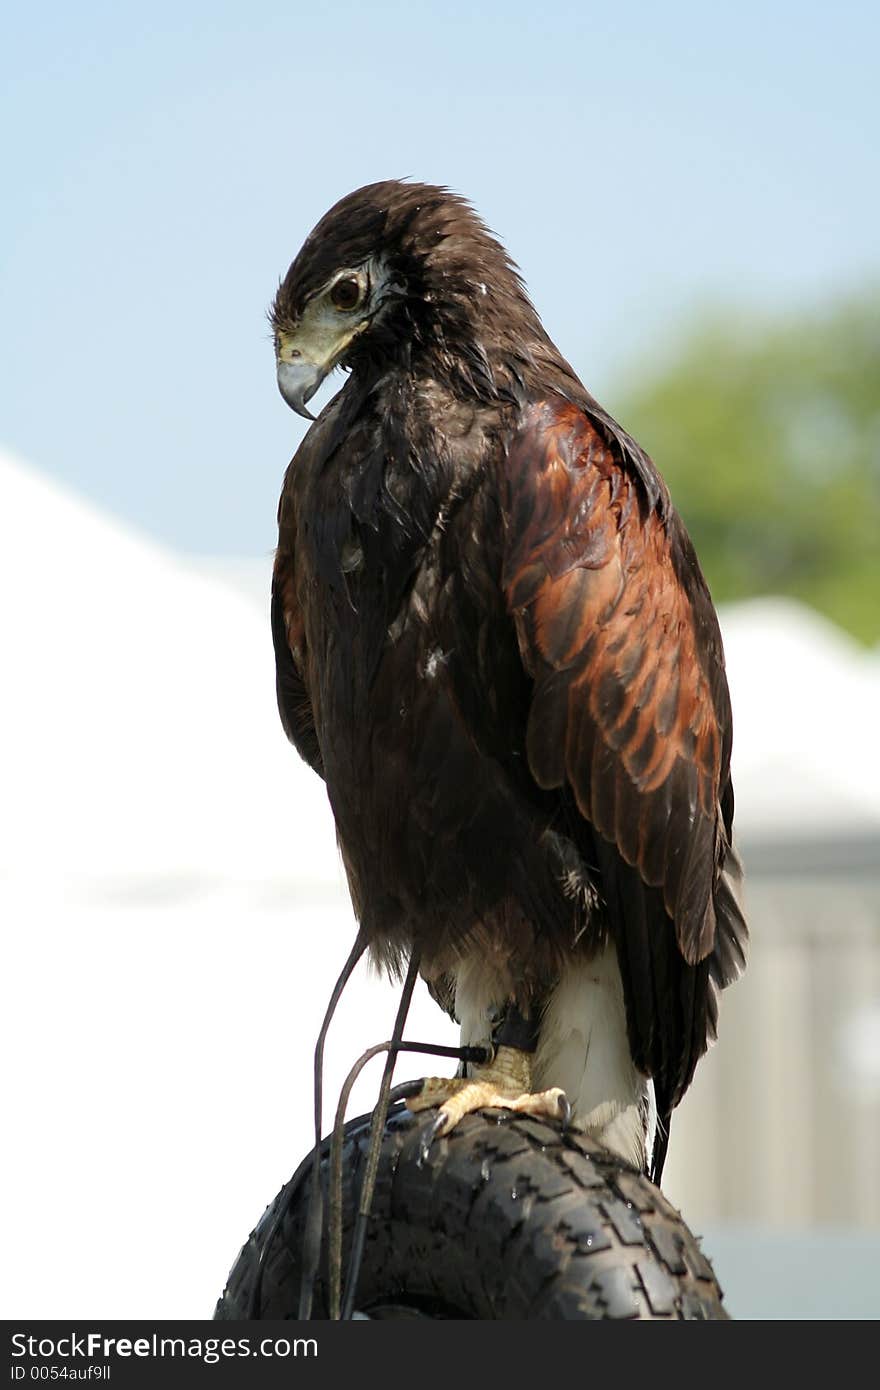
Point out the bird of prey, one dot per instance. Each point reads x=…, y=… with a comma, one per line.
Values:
x=494, y=642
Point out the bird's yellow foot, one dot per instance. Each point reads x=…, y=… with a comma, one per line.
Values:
x=504, y=1083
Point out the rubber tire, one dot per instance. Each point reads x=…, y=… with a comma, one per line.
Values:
x=507, y=1218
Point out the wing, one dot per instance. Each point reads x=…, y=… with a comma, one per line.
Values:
x=630, y=713
x=288, y=637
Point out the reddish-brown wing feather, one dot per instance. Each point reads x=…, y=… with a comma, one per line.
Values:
x=617, y=630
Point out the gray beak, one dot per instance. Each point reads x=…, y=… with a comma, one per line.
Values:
x=298, y=381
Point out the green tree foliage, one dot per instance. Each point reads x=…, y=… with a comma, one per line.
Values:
x=769, y=439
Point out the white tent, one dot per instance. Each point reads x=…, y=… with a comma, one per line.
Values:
x=139, y=728
x=805, y=698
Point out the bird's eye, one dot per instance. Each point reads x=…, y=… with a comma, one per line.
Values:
x=346, y=293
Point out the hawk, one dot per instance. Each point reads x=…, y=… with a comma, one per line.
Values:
x=495, y=644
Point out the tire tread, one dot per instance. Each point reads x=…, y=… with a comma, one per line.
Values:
x=506, y=1218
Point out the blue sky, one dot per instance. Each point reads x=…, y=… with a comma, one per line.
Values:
x=161, y=165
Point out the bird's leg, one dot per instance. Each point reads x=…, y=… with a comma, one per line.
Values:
x=503, y=1082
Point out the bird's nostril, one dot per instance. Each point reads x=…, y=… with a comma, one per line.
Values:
x=295, y=352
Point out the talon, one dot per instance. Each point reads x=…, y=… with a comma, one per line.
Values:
x=439, y=1127
x=432, y=1132
x=564, y=1105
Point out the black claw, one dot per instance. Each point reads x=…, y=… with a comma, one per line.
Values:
x=564, y=1112
x=432, y=1132
x=438, y=1127
x=407, y=1089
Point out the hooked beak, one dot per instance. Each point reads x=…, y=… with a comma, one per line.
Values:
x=298, y=381
x=307, y=352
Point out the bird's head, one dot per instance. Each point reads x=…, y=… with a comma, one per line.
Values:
x=396, y=272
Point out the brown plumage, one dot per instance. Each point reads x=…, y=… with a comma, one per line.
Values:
x=494, y=640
